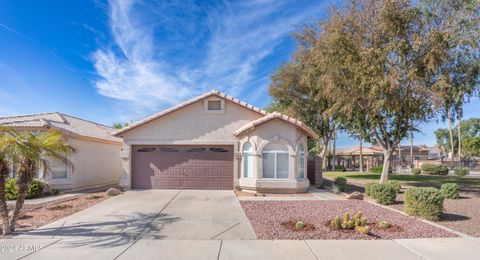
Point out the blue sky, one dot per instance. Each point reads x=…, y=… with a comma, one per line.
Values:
x=122, y=60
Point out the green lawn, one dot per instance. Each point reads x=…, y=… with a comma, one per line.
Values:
x=406, y=178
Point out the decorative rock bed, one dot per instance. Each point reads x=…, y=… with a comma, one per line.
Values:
x=269, y=219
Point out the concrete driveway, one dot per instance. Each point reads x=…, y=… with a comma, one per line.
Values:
x=156, y=214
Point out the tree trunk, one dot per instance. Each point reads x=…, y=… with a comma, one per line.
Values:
x=333, y=150
x=387, y=158
x=323, y=153
x=450, y=132
x=25, y=177
x=361, y=154
x=411, y=148
x=460, y=135
x=3, y=202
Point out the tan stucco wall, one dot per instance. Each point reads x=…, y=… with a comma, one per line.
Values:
x=95, y=164
x=190, y=124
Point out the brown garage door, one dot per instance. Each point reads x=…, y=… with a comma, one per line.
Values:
x=182, y=167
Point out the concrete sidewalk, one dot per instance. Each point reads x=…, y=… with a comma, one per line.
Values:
x=82, y=248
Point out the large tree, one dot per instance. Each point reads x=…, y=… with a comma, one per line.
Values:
x=296, y=90
x=469, y=128
x=377, y=72
x=452, y=33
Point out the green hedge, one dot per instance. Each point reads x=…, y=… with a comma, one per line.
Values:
x=376, y=169
x=424, y=202
x=434, y=169
x=459, y=171
x=339, y=184
x=340, y=168
x=383, y=193
x=450, y=191
x=416, y=171
x=395, y=185
x=35, y=189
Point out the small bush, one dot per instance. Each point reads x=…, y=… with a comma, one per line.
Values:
x=367, y=187
x=11, y=189
x=396, y=185
x=384, y=224
x=376, y=169
x=459, y=171
x=35, y=189
x=425, y=202
x=434, y=169
x=300, y=224
x=339, y=184
x=416, y=171
x=340, y=168
x=450, y=191
x=383, y=193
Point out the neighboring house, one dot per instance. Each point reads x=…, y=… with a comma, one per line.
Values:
x=215, y=141
x=373, y=156
x=95, y=160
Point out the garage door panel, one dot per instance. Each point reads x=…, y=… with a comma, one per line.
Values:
x=188, y=167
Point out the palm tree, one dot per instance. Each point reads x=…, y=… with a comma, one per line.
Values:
x=28, y=152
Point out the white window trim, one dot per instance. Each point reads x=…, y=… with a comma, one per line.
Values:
x=304, y=163
x=214, y=112
x=67, y=180
x=276, y=152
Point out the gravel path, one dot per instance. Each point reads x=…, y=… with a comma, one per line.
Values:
x=267, y=217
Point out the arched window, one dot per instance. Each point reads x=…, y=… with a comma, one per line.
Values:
x=301, y=161
x=275, y=161
x=247, y=160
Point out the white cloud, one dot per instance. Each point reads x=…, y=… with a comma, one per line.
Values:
x=212, y=47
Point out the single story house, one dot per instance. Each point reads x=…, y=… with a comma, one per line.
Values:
x=95, y=160
x=215, y=141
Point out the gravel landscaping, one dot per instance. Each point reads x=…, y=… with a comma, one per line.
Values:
x=462, y=214
x=53, y=211
x=268, y=219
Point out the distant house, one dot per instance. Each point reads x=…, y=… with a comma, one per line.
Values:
x=95, y=162
x=215, y=141
x=373, y=156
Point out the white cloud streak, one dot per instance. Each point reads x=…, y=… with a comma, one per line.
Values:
x=221, y=49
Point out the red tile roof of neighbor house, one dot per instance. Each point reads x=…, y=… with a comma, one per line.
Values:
x=275, y=115
x=65, y=123
x=267, y=116
x=376, y=150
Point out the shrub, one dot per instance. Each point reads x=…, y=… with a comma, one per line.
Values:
x=434, y=169
x=425, y=202
x=461, y=171
x=300, y=224
x=450, y=191
x=416, y=171
x=376, y=169
x=396, y=185
x=367, y=187
x=384, y=224
x=340, y=168
x=339, y=184
x=35, y=189
x=383, y=193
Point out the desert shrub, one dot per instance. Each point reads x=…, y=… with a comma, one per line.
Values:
x=367, y=187
x=416, y=171
x=300, y=224
x=339, y=184
x=11, y=189
x=384, y=224
x=35, y=189
x=434, y=169
x=340, y=168
x=396, y=185
x=376, y=169
x=424, y=202
x=383, y=193
x=461, y=171
x=450, y=191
